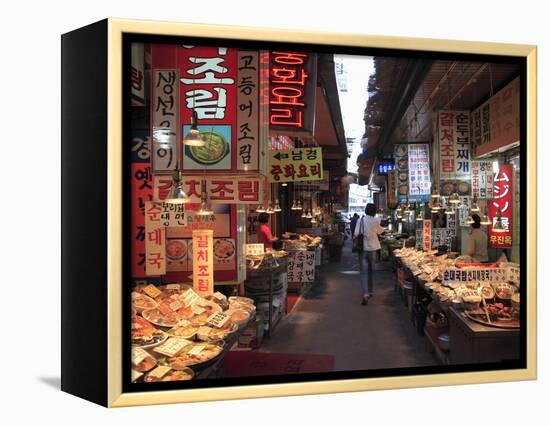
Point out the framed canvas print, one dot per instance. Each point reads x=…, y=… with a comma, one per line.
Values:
x=253, y=212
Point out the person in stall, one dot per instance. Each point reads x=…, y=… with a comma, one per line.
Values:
x=263, y=232
x=476, y=246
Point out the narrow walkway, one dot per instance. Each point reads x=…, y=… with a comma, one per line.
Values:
x=331, y=320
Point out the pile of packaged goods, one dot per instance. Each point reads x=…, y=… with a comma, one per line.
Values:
x=176, y=333
x=297, y=242
x=265, y=261
x=494, y=302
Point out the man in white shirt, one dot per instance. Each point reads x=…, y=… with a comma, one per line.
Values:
x=370, y=228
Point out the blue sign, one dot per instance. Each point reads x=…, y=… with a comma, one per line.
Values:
x=384, y=168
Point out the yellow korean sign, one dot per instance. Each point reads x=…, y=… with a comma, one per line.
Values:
x=296, y=165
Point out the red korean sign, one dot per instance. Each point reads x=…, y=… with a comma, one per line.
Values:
x=427, y=235
x=220, y=189
x=503, y=202
x=292, y=79
x=454, y=144
x=203, y=262
x=208, y=77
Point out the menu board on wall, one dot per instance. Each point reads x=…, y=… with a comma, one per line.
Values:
x=454, y=144
x=496, y=123
x=503, y=201
x=419, y=171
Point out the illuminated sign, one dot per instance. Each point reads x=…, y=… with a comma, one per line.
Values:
x=203, y=262
x=384, y=168
x=288, y=81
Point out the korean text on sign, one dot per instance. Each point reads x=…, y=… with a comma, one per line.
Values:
x=296, y=165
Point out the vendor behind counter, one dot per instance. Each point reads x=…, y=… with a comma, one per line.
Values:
x=264, y=233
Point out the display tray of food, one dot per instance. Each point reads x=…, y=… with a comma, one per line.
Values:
x=195, y=355
x=495, y=315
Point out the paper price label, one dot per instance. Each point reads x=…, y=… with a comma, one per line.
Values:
x=196, y=350
x=197, y=310
x=176, y=305
x=160, y=371
x=172, y=287
x=219, y=296
x=138, y=355
x=183, y=323
x=152, y=291
x=218, y=319
x=190, y=297
x=172, y=346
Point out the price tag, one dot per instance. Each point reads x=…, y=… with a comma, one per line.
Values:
x=218, y=319
x=176, y=305
x=160, y=371
x=136, y=375
x=196, y=350
x=172, y=286
x=172, y=346
x=138, y=355
x=203, y=330
x=254, y=249
x=152, y=291
x=197, y=310
x=190, y=297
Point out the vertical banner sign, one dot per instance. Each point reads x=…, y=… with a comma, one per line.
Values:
x=203, y=262
x=155, y=240
x=137, y=74
x=503, y=202
x=400, y=153
x=141, y=193
x=419, y=171
x=482, y=179
x=454, y=144
x=248, y=112
x=427, y=235
x=392, y=188
x=292, y=84
x=165, y=120
x=208, y=78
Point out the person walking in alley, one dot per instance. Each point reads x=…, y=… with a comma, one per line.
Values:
x=369, y=227
x=353, y=222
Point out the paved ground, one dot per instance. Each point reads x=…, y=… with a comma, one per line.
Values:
x=331, y=320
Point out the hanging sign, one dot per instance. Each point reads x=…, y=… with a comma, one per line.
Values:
x=155, y=241
x=292, y=87
x=137, y=74
x=427, y=235
x=141, y=192
x=255, y=249
x=454, y=144
x=203, y=262
x=248, y=112
x=496, y=123
x=238, y=189
x=400, y=153
x=503, y=202
x=296, y=165
x=392, y=188
x=419, y=171
x=482, y=179
x=208, y=77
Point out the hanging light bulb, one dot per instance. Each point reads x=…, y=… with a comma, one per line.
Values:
x=299, y=205
x=449, y=211
x=270, y=208
x=454, y=198
x=260, y=209
x=303, y=216
x=419, y=218
x=277, y=207
x=469, y=220
x=485, y=219
x=176, y=194
x=193, y=137
x=308, y=215
x=498, y=225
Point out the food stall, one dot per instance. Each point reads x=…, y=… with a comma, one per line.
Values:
x=471, y=310
x=179, y=335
